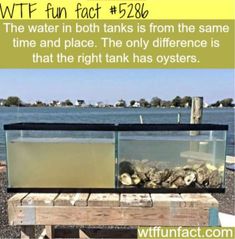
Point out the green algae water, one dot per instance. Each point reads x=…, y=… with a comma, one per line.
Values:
x=61, y=163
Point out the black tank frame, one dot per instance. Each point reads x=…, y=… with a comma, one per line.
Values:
x=115, y=128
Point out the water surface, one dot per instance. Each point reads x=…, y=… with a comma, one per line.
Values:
x=112, y=115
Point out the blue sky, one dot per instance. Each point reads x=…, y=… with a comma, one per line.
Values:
x=111, y=85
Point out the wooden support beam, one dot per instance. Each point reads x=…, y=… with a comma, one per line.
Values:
x=49, y=231
x=110, y=209
x=13, y=203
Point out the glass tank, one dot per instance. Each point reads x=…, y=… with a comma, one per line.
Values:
x=54, y=156
x=115, y=158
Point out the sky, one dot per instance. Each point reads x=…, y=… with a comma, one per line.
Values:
x=111, y=85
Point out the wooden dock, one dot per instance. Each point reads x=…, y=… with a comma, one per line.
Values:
x=84, y=209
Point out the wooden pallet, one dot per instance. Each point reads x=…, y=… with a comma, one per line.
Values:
x=111, y=209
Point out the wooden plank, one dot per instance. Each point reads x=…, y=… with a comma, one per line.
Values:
x=200, y=200
x=66, y=199
x=2, y=166
x=132, y=216
x=2, y=169
x=166, y=200
x=17, y=198
x=71, y=199
x=135, y=200
x=39, y=199
x=103, y=200
x=230, y=159
x=82, y=199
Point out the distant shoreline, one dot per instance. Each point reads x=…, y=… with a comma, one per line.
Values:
x=155, y=102
x=110, y=107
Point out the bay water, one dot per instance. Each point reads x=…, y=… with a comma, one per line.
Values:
x=112, y=115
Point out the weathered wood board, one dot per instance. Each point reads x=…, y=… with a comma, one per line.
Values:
x=111, y=209
x=103, y=200
x=135, y=200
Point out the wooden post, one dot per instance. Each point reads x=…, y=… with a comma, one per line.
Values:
x=196, y=113
x=83, y=234
x=196, y=118
x=49, y=231
x=179, y=118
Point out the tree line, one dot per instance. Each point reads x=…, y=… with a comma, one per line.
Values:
x=154, y=102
